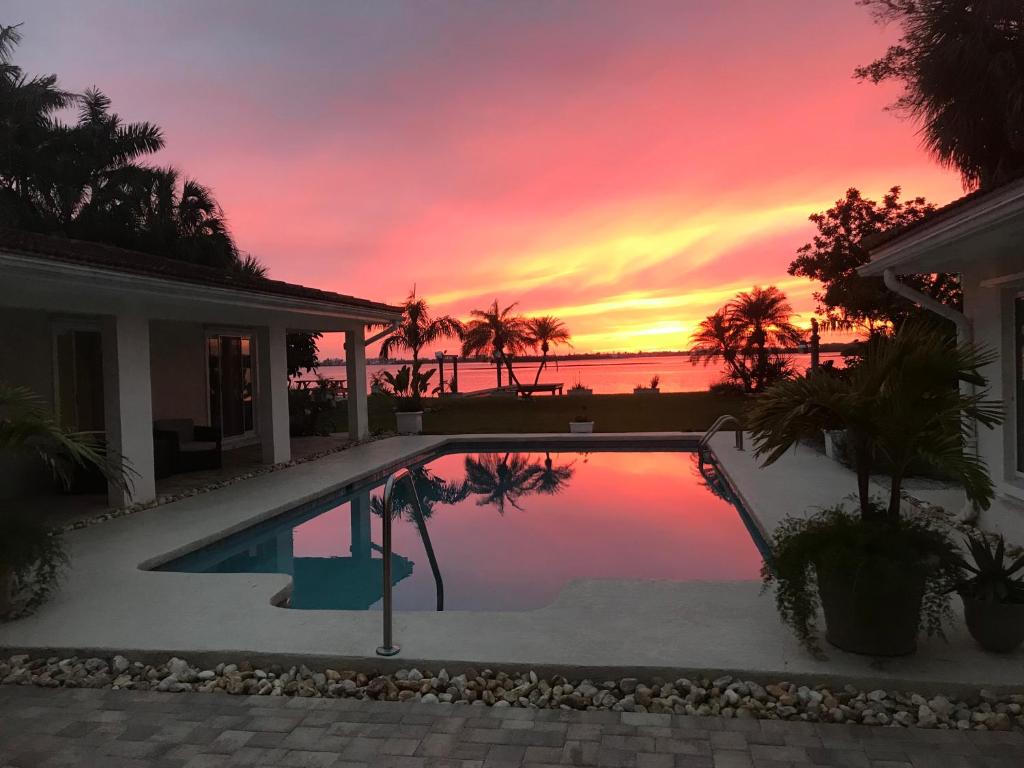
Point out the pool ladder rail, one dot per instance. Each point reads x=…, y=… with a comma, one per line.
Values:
x=388, y=646
x=720, y=422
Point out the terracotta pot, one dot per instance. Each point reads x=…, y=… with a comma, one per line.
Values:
x=875, y=617
x=997, y=627
x=6, y=589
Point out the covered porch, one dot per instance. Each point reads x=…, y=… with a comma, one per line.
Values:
x=183, y=369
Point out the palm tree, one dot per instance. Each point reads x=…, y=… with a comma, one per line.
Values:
x=419, y=328
x=499, y=480
x=543, y=333
x=899, y=407
x=961, y=63
x=717, y=337
x=28, y=428
x=496, y=333
x=762, y=317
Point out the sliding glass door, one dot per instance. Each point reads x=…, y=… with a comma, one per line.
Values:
x=78, y=373
x=232, y=406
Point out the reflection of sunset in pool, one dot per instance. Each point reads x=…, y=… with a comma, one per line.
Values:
x=635, y=515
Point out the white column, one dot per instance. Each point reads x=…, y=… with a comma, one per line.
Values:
x=128, y=404
x=272, y=405
x=355, y=370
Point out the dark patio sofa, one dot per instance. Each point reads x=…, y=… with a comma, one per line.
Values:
x=181, y=446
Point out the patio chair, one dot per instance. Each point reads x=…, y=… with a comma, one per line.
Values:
x=181, y=446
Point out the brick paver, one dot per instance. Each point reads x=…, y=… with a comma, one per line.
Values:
x=40, y=728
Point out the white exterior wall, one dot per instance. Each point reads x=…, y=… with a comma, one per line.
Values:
x=178, y=368
x=991, y=311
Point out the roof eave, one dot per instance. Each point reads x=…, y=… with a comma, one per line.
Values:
x=917, y=250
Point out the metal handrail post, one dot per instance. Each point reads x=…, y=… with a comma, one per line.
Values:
x=720, y=422
x=387, y=647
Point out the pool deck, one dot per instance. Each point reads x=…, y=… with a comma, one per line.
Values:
x=111, y=604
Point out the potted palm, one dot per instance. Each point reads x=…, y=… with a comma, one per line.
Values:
x=640, y=389
x=581, y=423
x=32, y=555
x=407, y=388
x=876, y=572
x=992, y=590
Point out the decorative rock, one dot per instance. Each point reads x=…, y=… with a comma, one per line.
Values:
x=628, y=684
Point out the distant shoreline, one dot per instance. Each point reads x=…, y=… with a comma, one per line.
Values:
x=829, y=348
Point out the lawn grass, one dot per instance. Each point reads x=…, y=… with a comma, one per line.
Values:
x=666, y=412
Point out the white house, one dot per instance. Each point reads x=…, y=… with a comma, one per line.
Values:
x=116, y=340
x=980, y=237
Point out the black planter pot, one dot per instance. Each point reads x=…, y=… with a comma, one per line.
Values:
x=997, y=627
x=871, y=616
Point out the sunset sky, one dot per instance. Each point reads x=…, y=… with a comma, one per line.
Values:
x=626, y=166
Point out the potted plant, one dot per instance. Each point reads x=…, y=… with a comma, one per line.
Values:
x=992, y=589
x=875, y=571
x=32, y=556
x=640, y=389
x=578, y=389
x=406, y=388
x=581, y=423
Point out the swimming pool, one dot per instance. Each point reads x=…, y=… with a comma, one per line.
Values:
x=509, y=529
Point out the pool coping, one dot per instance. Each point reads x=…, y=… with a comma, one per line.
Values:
x=633, y=627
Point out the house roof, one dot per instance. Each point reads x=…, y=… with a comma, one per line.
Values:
x=125, y=261
x=948, y=211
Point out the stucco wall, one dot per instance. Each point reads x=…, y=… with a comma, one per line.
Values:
x=178, y=370
x=26, y=359
x=991, y=310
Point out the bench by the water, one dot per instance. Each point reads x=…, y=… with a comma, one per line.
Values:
x=526, y=390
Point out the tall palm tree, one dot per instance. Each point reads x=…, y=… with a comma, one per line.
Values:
x=419, y=328
x=762, y=317
x=496, y=333
x=961, y=63
x=543, y=333
x=717, y=337
x=900, y=406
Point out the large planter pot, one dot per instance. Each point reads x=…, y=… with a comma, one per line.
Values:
x=645, y=391
x=409, y=422
x=581, y=427
x=871, y=616
x=6, y=589
x=997, y=627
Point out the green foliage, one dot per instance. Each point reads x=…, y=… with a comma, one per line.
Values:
x=991, y=577
x=407, y=386
x=86, y=179
x=961, y=64
x=311, y=409
x=900, y=406
x=497, y=333
x=748, y=334
x=846, y=299
x=542, y=334
x=419, y=328
x=27, y=427
x=875, y=551
x=302, y=353
x=35, y=553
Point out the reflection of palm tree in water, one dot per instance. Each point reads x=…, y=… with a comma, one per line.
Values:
x=504, y=479
x=430, y=488
x=551, y=479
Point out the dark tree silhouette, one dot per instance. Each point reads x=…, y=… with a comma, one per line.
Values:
x=847, y=300
x=961, y=63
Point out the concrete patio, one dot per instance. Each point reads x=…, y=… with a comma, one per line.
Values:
x=110, y=603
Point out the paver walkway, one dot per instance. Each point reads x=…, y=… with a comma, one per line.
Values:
x=116, y=729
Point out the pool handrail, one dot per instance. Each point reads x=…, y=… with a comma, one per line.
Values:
x=388, y=647
x=720, y=422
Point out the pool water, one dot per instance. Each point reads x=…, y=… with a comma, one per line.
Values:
x=508, y=529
